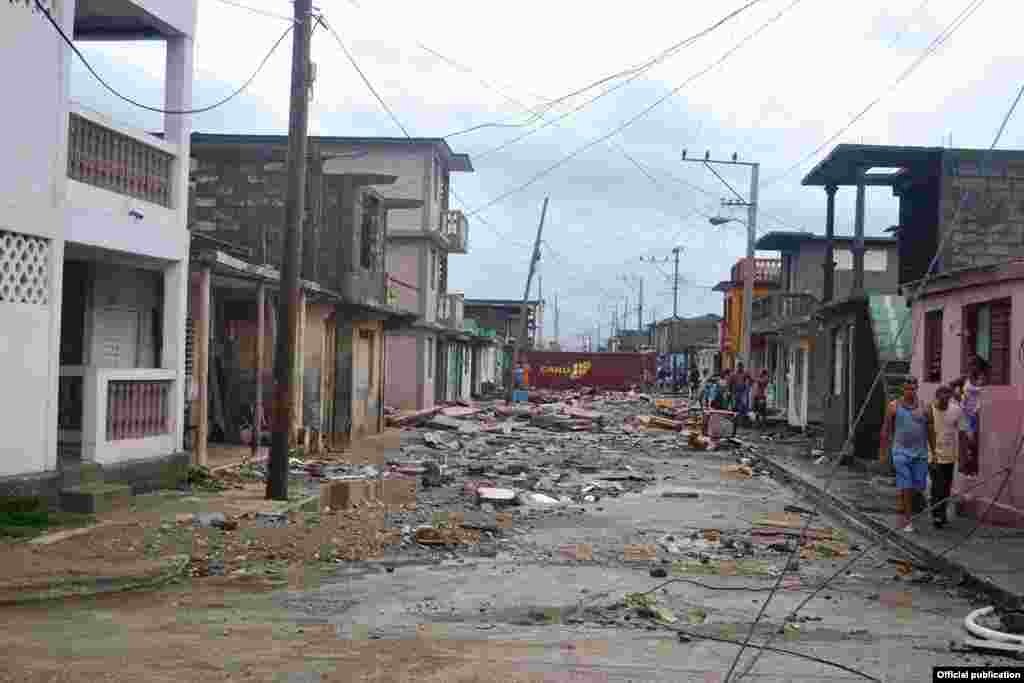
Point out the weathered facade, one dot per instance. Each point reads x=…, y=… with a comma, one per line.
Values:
x=766, y=279
x=93, y=254
x=796, y=347
x=685, y=343
x=345, y=304
x=969, y=313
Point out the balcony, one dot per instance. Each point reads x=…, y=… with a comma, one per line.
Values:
x=450, y=309
x=113, y=158
x=455, y=230
x=775, y=311
x=766, y=271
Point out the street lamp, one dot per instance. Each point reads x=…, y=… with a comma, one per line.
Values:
x=722, y=220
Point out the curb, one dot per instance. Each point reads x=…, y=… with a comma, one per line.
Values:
x=84, y=587
x=879, y=531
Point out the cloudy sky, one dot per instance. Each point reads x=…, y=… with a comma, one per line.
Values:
x=772, y=85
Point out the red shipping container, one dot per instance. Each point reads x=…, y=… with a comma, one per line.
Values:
x=568, y=370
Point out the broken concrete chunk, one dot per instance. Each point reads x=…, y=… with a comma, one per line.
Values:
x=271, y=520
x=496, y=495
x=209, y=520
x=533, y=499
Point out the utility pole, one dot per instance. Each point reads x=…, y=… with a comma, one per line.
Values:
x=294, y=212
x=556, y=319
x=640, y=308
x=749, y=271
x=534, y=255
x=675, y=317
x=540, y=309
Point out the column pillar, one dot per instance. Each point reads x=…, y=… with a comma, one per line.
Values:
x=297, y=381
x=202, y=367
x=829, y=267
x=858, y=240
x=261, y=363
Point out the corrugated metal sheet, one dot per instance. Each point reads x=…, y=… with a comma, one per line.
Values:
x=567, y=370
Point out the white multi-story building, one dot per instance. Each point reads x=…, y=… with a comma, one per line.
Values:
x=93, y=249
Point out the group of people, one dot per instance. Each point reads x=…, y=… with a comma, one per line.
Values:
x=736, y=390
x=929, y=441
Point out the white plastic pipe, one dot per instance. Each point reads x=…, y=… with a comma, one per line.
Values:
x=987, y=633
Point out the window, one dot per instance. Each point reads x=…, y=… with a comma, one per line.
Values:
x=368, y=236
x=986, y=335
x=433, y=269
x=875, y=260
x=430, y=357
x=933, y=346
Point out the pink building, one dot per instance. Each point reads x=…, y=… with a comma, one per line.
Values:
x=971, y=312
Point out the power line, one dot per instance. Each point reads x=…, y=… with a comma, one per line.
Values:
x=159, y=110
x=260, y=12
x=637, y=117
x=634, y=73
x=936, y=43
x=685, y=43
x=362, y=75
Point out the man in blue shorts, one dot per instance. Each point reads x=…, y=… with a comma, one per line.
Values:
x=905, y=430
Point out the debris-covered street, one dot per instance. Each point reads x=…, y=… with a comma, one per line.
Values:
x=582, y=539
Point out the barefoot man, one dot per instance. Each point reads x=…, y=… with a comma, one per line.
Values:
x=906, y=430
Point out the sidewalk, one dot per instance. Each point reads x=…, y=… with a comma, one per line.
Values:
x=991, y=559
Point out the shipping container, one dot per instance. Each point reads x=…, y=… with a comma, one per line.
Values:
x=569, y=370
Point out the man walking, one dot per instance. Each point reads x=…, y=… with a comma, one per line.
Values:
x=944, y=439
x=906, y=429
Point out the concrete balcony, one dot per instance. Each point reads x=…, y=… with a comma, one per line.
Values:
x=455, y=230
x=766, y=271
x=777, y=310
x=123, y=188
x=114, y=158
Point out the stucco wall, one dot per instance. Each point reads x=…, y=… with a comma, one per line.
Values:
x=402, y=387
x=1001, y=406
x=809, y=275
x=403, y=265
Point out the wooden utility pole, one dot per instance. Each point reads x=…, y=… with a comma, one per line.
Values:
x=521, y=341
x=294, y=212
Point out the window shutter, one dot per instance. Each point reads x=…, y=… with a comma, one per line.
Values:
x=1000, y=357
x=933, y=346
x=970, y=324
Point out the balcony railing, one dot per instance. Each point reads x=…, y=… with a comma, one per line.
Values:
x=779, y=308
x=110, y=159
x=766, y=270
x=456, y=230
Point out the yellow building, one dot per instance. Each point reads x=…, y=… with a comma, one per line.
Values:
x=766, y=279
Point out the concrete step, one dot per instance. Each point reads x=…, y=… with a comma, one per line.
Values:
x=95, y=497
x=80, y=474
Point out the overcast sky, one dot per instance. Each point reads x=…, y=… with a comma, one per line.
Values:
x=774, y=100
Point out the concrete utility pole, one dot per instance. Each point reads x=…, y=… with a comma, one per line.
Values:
x=640, y=307
x=675, y=317
x=556, y=318
x=750, y=266
x=294, y=212
x=540, y=316
x=534, y=255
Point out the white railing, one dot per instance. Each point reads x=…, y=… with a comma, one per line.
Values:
x=456, y=230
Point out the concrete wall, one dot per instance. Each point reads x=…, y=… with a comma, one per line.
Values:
x=368, y=378
x=403, y=265
x=412, y=165
x=402, y=371
x=809, y=276
x=987, y=201
x=1001, y=406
